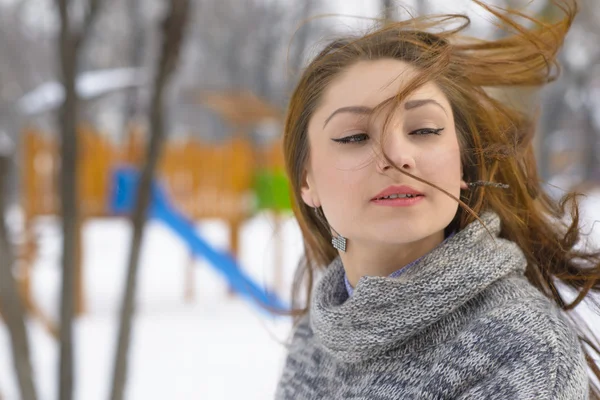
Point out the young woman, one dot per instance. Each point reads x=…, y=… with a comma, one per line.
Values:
x=417, y=196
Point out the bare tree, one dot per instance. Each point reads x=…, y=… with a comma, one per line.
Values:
x=137, y=50
x=247, y=45
x=21, y=70
x=267, y=48
x=568, y=103
x=173, y=31
x=583, y=76
x=386, y=6
x=302, y=39
x=70, y=44
x=10, y=301
x=422, y=8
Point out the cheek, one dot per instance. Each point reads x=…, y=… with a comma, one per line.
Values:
x=337, y=186
x=442, y=167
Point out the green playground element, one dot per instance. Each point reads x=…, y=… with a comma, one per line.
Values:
x=272, y=190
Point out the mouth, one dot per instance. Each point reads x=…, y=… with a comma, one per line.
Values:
x=398, y=196
x=397, y=192
x=399, y=200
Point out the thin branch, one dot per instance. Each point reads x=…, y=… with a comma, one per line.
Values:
x=387, y=10
x=12, y=307
x=90, y=18
x=301, y=40
x=69, y=205
x=173, y=31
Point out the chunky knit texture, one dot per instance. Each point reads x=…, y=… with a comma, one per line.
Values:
x=462, y=323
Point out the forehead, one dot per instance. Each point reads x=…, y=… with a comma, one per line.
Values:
x=368, y=83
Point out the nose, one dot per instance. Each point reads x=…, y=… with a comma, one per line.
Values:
x=397, y=151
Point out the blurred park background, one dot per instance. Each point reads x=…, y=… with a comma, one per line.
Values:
x=184, y=100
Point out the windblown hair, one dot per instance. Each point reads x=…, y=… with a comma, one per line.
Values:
x=495, y=140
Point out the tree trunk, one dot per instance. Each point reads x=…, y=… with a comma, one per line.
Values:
x=69, y=45
x=137, y=54
x=10, y=301
x=173, y=29
x=69, y=205
x=591, y=160
x=553, y=111
x=386, y=6
x=422, y=8
x=301, y=44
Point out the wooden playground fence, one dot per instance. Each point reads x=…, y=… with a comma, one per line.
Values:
x=202, y=180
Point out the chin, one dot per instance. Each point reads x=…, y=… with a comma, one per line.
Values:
x=396, y=236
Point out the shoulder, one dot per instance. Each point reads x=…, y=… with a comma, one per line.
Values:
x=532, y=343
x=301, y=334
x=301, y=368
x=532, y=317
x=302, y=347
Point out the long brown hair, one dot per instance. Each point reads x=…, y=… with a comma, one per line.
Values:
x=495, y=140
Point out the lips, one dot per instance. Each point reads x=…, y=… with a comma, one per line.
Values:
x=397, y=190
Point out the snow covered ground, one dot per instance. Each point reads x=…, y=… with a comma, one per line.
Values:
x=216, y=347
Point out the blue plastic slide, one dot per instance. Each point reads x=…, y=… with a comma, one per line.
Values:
x=125, y=182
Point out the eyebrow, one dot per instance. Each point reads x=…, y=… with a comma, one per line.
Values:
x=409, y=105
x=351, y=109
x=362, y=110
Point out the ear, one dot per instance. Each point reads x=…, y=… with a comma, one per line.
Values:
x=463, y=184
x=308, y=190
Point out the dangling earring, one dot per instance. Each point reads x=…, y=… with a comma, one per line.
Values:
x=338, y=242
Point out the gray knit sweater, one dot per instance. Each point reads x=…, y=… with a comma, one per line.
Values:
x=462, y=323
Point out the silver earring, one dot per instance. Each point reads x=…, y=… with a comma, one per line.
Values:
x=339, y=242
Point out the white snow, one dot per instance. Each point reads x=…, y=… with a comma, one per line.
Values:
x=91, y=84
x=216, y=347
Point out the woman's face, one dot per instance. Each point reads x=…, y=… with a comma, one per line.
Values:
x=346, y=170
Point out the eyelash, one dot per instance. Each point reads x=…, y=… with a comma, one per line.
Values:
x=354, y=138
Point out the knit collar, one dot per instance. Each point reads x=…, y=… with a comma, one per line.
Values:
x=394, y=274
x=384, y=312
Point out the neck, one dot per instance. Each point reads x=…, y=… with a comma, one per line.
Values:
x=382, y=259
